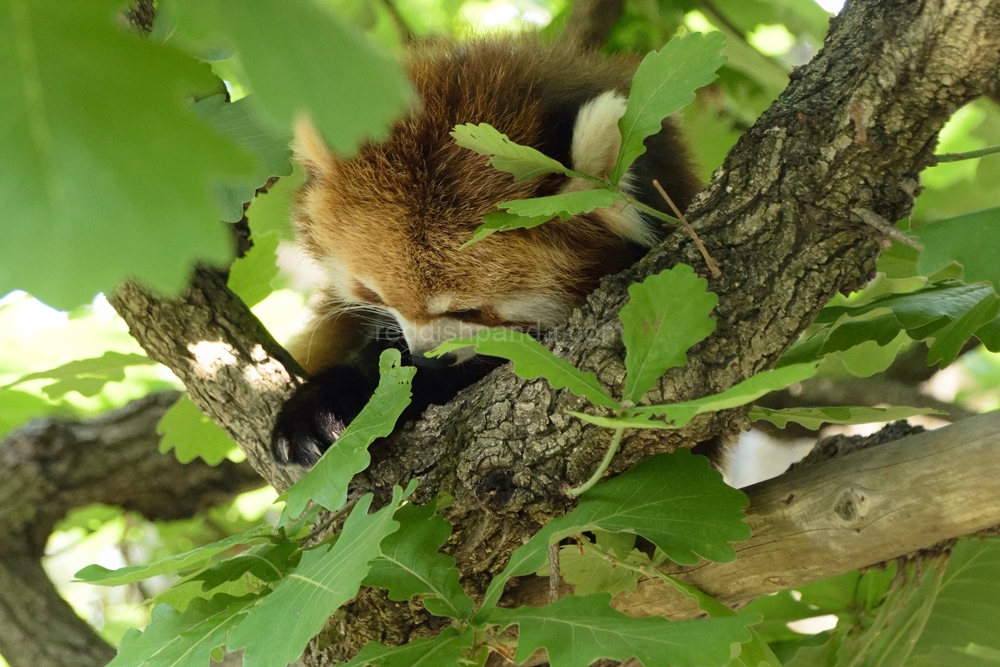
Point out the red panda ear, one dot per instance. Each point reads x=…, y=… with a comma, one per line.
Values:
x=596, y=139
x=311, y=149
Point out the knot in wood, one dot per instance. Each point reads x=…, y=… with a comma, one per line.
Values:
x=853, y=504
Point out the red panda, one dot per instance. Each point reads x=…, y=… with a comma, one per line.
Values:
x=387, y=225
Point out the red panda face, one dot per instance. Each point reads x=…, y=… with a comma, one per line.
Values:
x=386, y=226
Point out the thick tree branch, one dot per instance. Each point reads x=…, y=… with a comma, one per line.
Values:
x=853, y=130
x=51, y=466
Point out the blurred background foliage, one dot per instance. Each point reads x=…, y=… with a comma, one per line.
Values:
x=766, y=40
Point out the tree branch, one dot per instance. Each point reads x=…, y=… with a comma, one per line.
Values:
x=52, y=466
x=854, y=129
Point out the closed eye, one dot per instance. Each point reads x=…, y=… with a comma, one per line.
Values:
x=470, y=315
x=367, y=294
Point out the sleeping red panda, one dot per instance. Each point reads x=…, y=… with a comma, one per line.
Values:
x=385, y=226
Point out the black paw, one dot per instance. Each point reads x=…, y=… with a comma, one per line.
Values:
x=317, y=413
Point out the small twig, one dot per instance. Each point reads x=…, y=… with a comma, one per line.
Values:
x=553, y=572
x=601, y=469
x=881, y=224
x=404, y=30
x=712, y=265
x=967, y=155
x=328, y=521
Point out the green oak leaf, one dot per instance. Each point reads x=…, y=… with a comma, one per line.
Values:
x=18, y=407
x=185, y=639
x=267, y=562
x=448, y=649
x=676, y=501
x=815, y=418
x=577, y=631
x=86, y=376
x=276, y=631
x=950, y=312
x=523, y=162
x=244, y=124
x=102, y=576
x=967, y=610
x=740, y=394
x=187, y=431
x=532, y=360
x=960, y=239
x=754, y=653
x=411, y=564
x=665, y=82
x=285, y=47
x=565, y=205
x=83, y=176
x=589, y=573
x=326, y=483
x=666, y=314
x=504, y=221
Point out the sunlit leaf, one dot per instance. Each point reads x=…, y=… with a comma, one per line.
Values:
x=665, y=82
x=564, y=205
x=960, y=239
x=523, y=162
x=86, y=376
x=503, y=221
x=187, y=431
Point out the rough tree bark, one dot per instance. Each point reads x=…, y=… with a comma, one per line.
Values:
x=51, y=466
x=784, y=217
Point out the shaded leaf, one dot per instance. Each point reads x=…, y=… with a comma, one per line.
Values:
x=676, y=501
x=577, y=631
x=665, y=82
x=448, y=649
x=814, y=418
x=960, y=239
x=967, y=610
x=326, y=483
x=276, y=631
x=82, y=175
x=267, y=562
x=532, y=360
x=666, y=314
x=242, y=123
x=411, y=564
x=185, y=639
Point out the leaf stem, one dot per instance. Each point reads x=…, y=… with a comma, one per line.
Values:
x=601, y=469
x=712, y=265
x=967, y=155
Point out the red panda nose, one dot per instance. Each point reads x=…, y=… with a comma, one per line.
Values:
x=433, y=363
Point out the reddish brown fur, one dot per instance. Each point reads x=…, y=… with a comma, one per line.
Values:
x=396, y=215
